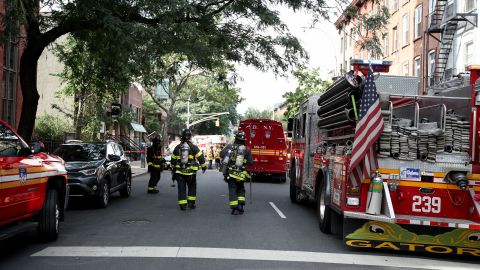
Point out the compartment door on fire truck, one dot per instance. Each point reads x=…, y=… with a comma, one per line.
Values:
x=305, y=130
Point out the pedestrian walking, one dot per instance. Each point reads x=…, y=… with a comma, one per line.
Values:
x=235, y=157
x=217, y=156
x=155, y=162
x=184, y=158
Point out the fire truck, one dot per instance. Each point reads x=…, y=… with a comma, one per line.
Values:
x=425, y=193
x=266, y=139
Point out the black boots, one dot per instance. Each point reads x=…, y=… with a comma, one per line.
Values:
x=240, y=209
x=192, y=205
x=183, y=207
x=152, y=191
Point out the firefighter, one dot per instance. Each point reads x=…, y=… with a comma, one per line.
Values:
x=217, y=156
x=210, y=157
x=235, y=157
x=184, y=168
x=155, y=162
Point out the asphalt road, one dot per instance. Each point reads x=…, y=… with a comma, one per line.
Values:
x=149, y=232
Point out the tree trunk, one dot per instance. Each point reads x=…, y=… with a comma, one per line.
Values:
x=28, y=83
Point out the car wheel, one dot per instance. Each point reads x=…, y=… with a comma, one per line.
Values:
x=323, y=211
x=49, y=219
x=104, y=195
x=127, y=189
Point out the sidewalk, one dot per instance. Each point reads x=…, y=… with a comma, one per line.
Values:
x=136, y=168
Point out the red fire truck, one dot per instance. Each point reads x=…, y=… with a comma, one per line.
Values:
x=424, y=195
x=266, y=139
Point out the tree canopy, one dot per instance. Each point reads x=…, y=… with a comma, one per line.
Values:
x=309, y=82
x=207, y=32
x=254, y=113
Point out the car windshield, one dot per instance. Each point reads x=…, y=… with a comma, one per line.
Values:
x=9, y=142
x=81, y=152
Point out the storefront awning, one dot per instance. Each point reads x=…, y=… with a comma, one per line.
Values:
x=138, y=127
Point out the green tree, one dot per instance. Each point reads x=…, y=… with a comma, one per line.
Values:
x=90, y=81
x=309, y=82
x=254, y=113
x=51, y=127
x=205, y=31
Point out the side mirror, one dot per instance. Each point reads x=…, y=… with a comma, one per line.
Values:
x=113, y=157
x=290, y=127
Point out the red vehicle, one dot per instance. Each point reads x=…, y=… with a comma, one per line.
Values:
x=33, y=188
x=269, y=150
x=424, y=195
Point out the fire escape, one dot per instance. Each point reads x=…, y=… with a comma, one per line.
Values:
x=444, y=22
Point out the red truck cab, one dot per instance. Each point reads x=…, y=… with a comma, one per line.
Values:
x=33, y=188
x=266, y=140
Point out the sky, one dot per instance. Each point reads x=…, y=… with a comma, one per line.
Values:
x=264, y=90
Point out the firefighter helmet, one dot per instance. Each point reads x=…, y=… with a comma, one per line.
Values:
x=240, y=136
x=186, y=134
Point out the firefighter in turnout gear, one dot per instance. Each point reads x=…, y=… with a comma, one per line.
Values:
x=210, y=158
x=184, y=158
x=235, y=157
x=155, y=162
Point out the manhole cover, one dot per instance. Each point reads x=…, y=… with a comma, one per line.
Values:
x=136, y=221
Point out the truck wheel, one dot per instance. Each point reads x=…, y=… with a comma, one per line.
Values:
x=49, y=218
x=127, y=189
x=283, y=178
x=104, y=196
x=324, y=212
x=293, y=187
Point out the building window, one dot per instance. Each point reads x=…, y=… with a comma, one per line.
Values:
x=418, y=21
x=385, y=45
x=394, y=5
x=10, y=75
x=469, y=53
x=431, y=66
x=469, y=5
x=416, y=66
x=405, y=29
x=405, y=69
x=395, y=39
x=341, y=45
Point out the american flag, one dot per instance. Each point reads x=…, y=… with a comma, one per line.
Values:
x=368, y=129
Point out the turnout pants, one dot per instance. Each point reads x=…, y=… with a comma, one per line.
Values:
x=184, y=182
x=154, y=178
x=236, y=192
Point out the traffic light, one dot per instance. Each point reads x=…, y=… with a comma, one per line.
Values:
x=116, y=110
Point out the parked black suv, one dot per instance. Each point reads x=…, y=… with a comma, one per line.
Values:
x=96, y=170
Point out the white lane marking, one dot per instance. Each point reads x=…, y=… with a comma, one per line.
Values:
x=277, y=210
x=253, y=254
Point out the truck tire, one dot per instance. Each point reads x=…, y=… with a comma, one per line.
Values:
x=104, y=195
x=127, y=189
x=49, y=219
x=293, y=186
x=324, y=212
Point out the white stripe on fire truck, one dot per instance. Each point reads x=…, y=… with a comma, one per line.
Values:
x=10, y=178
x=435, y=180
